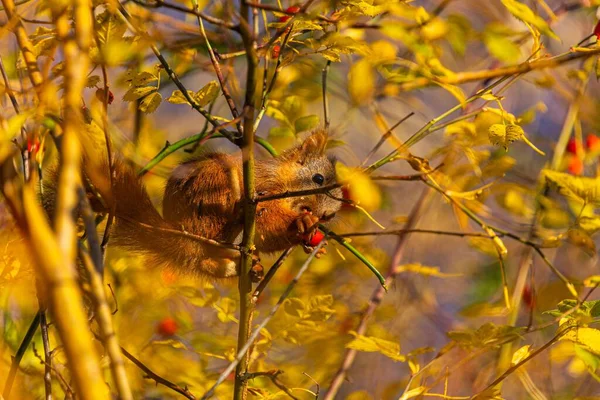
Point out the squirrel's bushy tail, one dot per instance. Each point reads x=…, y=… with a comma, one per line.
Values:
x=139, y=228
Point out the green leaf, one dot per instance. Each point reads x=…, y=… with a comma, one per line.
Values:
x=306, y=123
x=282, y=132
x=523, y=13
x=587, y=309
x=208, y=93
x=151, y=102
x=371, y=344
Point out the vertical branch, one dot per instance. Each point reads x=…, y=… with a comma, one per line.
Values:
x=92, y=261
x=71, y=320
x=35, y=76
x=245, y=284
x=217, y=68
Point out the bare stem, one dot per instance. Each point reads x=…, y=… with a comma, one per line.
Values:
x=242, y=351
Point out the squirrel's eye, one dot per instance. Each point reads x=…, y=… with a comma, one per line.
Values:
x=318, y=179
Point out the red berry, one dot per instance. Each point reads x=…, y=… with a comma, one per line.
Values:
x=167, y=327
x=33, y=145
x=346, y=195
x=573, y=147
x=575, y=166
x=597, y=30
x=315, y=239
x=275, y=51
x=528, y=298
x=291, y=10
x=592, y=142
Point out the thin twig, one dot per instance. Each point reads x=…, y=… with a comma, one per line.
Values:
x=218, y=72
x=195, y=11
x=69, y=392
x=111, y=162
x=265, y=281
x=509, y=371
x=16, y=359
x=173, y=76
x=297, y=193
x=242, y=352
x=274, y=377
x=385, y=137
x=157, y=378
x=325, y=73
x=171, y=148
x=465, y=77
x=377, y=295
x=47, y=352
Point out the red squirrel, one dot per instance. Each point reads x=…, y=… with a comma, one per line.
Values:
x=204, y=197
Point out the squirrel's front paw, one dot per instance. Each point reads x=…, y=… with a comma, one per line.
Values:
x=257, y=271
x=306, y=224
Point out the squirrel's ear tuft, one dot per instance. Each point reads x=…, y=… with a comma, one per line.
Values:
x=314, y=145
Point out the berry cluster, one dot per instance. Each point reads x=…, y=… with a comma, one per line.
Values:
x=576, y=149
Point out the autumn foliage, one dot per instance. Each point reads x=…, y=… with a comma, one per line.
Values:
x=462, y=263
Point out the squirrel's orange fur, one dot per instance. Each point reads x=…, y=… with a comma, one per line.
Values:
x=205, y=197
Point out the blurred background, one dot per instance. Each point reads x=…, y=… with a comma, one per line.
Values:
x=185, y=329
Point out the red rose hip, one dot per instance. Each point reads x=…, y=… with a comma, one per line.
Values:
x=316, y=238
x=167, y=327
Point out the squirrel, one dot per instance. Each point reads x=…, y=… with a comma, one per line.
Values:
x=204, y=197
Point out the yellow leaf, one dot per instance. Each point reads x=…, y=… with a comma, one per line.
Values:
x=588, y=338
x=208, y=93
x=361, y=189
x=371, y=344
x=361, y=82
x=576, y=187
x=151, y=102
x=592, y=281
x=424, y=270
x=520, y=354
x=178, y=98
x=413, y=393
